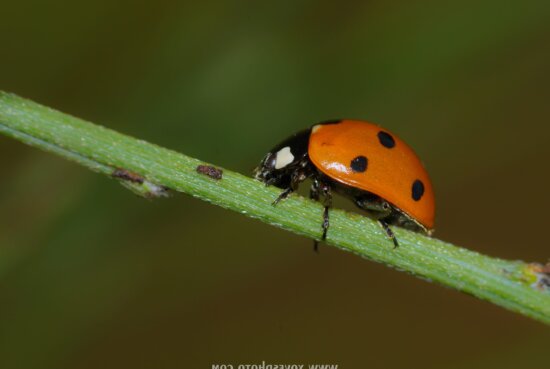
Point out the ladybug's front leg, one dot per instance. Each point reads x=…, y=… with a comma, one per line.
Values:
x=296, y=178
x=284, y=195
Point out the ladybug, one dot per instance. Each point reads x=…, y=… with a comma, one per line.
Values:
x=362, y=161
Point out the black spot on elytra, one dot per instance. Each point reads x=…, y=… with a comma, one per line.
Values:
x=359, y=164
x=330, y=121
x=386, y=139
x=417, y=190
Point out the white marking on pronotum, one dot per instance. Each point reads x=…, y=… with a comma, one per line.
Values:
x=283, y=158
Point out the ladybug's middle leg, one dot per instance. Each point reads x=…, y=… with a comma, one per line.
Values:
x=327, y=196
x=314, y=190
x=319, y=187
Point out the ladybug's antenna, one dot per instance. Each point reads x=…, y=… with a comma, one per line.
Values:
x=389, y=233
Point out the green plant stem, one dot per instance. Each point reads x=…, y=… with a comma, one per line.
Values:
x=511, y=284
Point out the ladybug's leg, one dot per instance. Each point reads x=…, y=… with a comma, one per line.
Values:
x=297, y=177
x=316, y=188
x=314, y=195
x=283, y=195
x=381, y=210
x=389, y=232
x=327, y=194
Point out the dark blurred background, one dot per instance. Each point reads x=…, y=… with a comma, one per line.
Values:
x=92, y=276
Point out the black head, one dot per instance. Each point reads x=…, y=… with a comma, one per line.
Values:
x=280, y=163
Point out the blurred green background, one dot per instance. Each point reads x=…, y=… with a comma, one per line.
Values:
x=92, y=276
